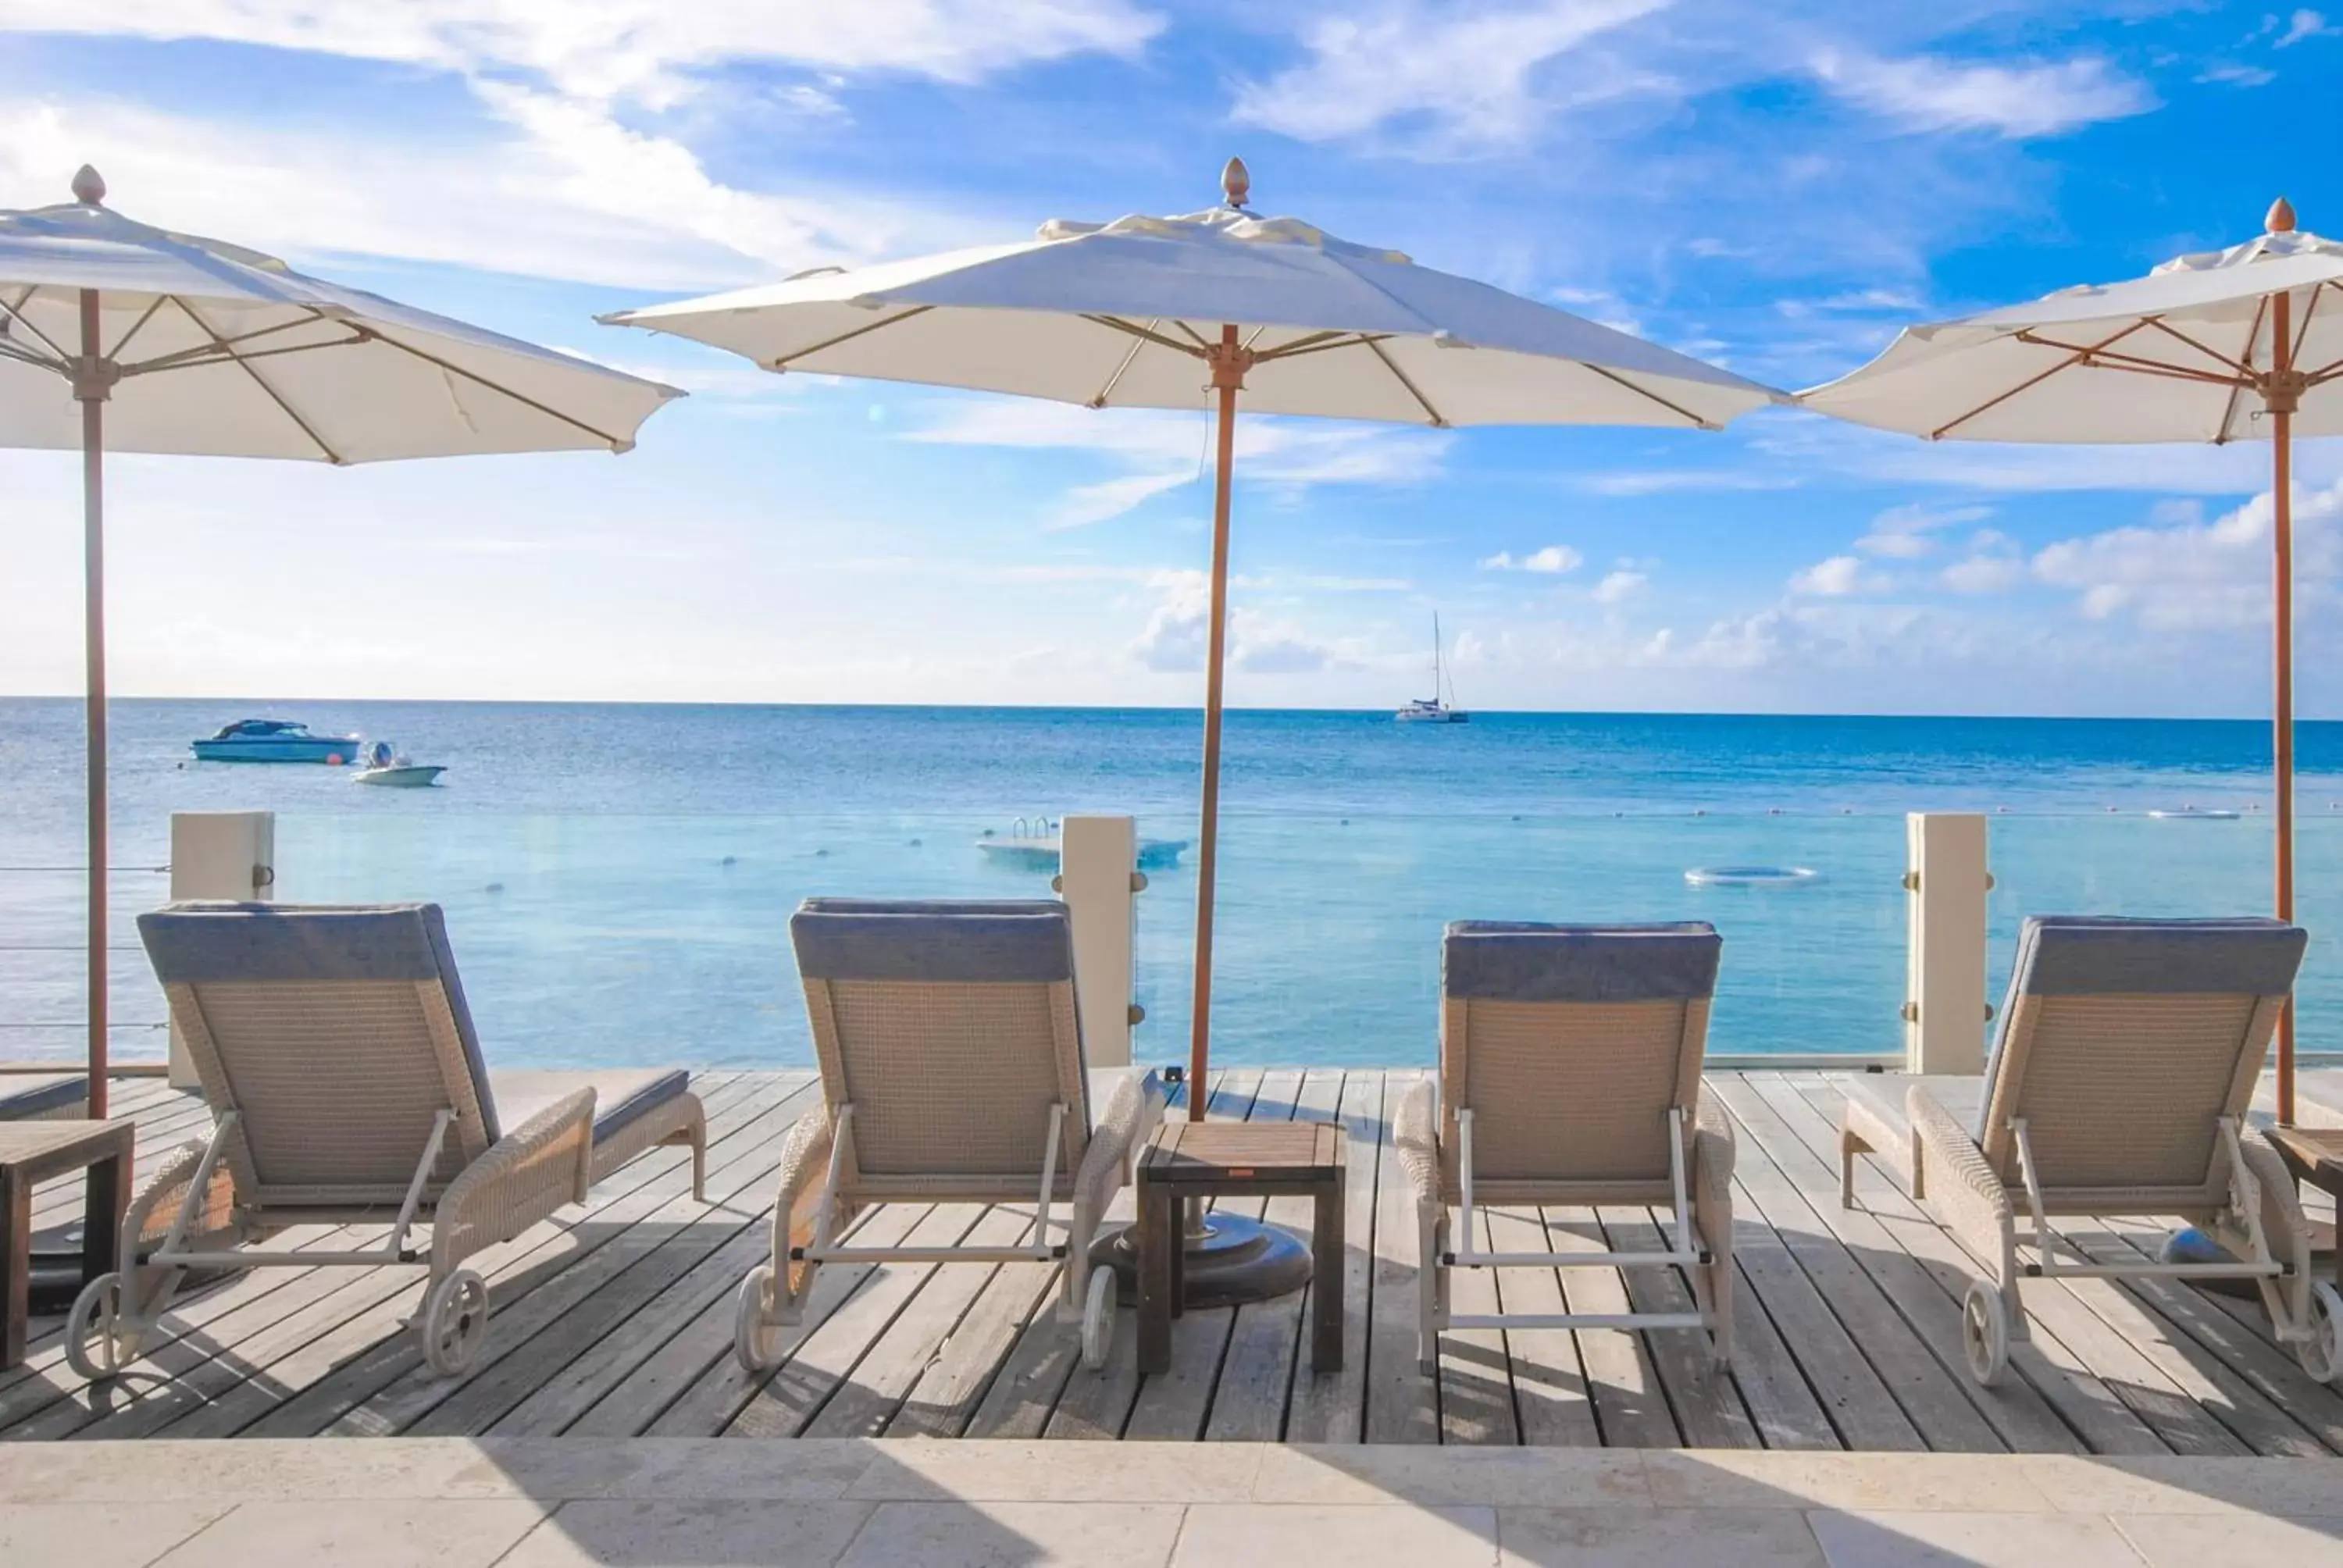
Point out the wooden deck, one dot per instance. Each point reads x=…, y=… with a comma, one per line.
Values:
x=615, y=1319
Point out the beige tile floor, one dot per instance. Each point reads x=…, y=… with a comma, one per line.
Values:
x=638, y=1502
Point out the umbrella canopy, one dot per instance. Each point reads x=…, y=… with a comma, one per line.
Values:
x=263, y=362
x=1174, y=312
x=1117, y=315
x=115, y=331
x=2220, y=345
x=2188, y=353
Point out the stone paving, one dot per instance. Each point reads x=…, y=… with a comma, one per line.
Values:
x=703, y=1503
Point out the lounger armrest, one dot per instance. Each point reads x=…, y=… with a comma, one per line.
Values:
x=156, y=1207
x=1962, y=1188
x=1415, y=1135
x=2283, y=1222
x=1134, y=1110
x=525, y=1175
x=1712, y=1150
x=805, y=1169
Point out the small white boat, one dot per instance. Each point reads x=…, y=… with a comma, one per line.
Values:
x=382, y=766
x=1035, y=845
x=2196, y=814
x=1440, y=708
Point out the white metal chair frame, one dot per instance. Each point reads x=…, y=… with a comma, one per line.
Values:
x=2306, y=1314
x=1683, y=1252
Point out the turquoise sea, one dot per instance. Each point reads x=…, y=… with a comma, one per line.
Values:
x=619, y=878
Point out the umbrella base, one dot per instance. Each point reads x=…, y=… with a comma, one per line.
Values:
x=1229, y=1261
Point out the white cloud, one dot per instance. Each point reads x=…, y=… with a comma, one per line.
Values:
x=2236, y=74
x=1178, y=628
x=1926, y=92
x=1459, y=79
x=2183, y=574
x=1983, y=574
x=1552, y=559
x=1673, y=482
x=641, y=49
x=2304, y=24
x=559, y=190
x=1165, y=449
x=1905, y=532
x=1836, y=577
x=1618, y=586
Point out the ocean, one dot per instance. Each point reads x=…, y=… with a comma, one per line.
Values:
x=619, y=878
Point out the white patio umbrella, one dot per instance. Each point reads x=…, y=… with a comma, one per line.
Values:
x=1168, y=312
x=116, y=333
x=2242, y=344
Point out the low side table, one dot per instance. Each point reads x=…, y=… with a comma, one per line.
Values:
x=2314, y=1156
x=32, y=1152
x=1187, y=1160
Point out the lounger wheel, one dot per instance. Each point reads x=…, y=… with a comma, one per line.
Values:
x=2320, y=1350
x=1098, y=1318
x=756, y=1339
x=455, y=1322
x=96, y=1346
x=1985, y=1333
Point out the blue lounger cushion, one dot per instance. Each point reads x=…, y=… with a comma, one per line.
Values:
x=196, y=942
x=2106, y=955
x=1029, y=941
x=41, y=1095
x=622, y=1096
x=1508, y=960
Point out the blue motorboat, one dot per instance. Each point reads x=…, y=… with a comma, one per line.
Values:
x=274, y=740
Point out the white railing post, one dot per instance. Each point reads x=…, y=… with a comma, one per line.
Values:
x=219, y=855
x=1099, y=877
x=1944, y=1010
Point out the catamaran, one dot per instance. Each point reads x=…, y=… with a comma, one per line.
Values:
x=1440, y=708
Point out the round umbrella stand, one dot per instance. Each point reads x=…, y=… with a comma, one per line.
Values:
x=1226, y=1260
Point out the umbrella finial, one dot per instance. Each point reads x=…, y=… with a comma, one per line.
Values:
x=2281, y=216
x=1236, y=182
x=88, y=186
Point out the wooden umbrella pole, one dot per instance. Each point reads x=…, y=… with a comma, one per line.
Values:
x=91, y=386
x=1229, y=362
x=2280, y=397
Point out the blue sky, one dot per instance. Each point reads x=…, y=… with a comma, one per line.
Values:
x=1776, y=186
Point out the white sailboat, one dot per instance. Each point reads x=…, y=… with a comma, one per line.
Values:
x=1440, y=708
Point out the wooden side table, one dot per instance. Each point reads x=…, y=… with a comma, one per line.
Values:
x=2314, y=1155
x=1188, y=1160
x=31, y=1152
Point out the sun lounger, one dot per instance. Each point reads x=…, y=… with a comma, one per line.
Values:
x=2118, y=1088
x=347, y=1088
x=1569, y=1062
x=43, y=1096
x=952, y=1072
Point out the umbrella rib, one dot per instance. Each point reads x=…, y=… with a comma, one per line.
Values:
x=2137, y=363
x=27, y=357
x=187, y=360
x=1685, y=414
x=2072, y=359
x=2171, y=331
x=1318, y=343
x=2236, y=393
x=2302, y=335
x=616, y=444
x=219, y=347
x=1121, y=368
x=16, y=314
x=781, y=362
x=136, y=326
x=1439, y=420
x=1147, y=332
x=257, y=379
